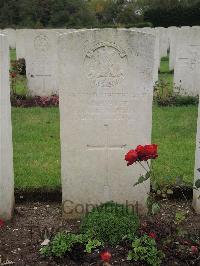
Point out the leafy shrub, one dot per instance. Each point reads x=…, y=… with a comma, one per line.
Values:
x=164, y=96
x=46, y=101
x=109, y=223
x=65, y=242
x=19, y=66
x=178, y=15
x=144, y=249
x=186, y=100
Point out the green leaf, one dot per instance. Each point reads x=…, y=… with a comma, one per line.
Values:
x=197, y=183
x=130, y=256
x=158, y=192
x=141, y=179
x=179, y=180
x=170, y=192
x=154, y=185
x=155, y=208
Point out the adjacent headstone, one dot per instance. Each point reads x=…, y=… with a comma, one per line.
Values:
x=11, y=34
x=196, y=193
x=20, y=43
x=106, y=92
x=187, y=64
x=174, y=45
x=173, y=31
x=154, y=32
x=41, y=62
x=163, y=41
x=6, y=156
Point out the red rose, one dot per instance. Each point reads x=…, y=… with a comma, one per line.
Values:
x=152, y=235
x=194, y=249
x=106, y=256
x=147, y=152
x=131, y=157
x=151, y=151
x=13, y=74
x=141, y=153
x=1, y=223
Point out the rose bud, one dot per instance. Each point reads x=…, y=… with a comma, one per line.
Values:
x=194, y=249
x=131, y=157
x=1, y=223
x=152, y=235
x=105, y=256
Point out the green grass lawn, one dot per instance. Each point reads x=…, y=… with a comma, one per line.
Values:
x=37, y=143
x=12, y=54
x=20, y=87
x=165, y=73
x=36, y=147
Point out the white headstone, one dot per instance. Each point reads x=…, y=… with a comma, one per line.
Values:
x=41, y=62
x=20, y=43
x=173, y=31
x=6, y=156
x=11, y=34
x=196, y=193
x=155, y=32
x=106, y=91
x=163, y=41
x=187, y=64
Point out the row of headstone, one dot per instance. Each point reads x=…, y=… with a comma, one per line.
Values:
x=106, y=82
x=38, y=47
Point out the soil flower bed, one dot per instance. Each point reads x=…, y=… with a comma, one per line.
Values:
x=176, y=235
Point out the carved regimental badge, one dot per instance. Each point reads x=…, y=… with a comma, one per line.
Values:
x=105, y=65
x=41, y=43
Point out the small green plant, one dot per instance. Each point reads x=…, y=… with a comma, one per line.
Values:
x=64, y=242
x=162, y=191
x=92, y=244
x=180, y=217
x=109, y=223
x=144, y=249
x=164, y=96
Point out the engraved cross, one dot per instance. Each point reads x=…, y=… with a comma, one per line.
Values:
x=107, y=147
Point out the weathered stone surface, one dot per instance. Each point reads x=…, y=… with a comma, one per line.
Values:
x=6, y=154
x=106, y=91
x=187, y=64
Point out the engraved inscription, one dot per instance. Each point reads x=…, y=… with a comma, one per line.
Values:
x=105, y=65
x=41, y=43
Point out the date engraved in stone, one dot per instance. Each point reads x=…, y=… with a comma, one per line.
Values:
x=105, y=65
